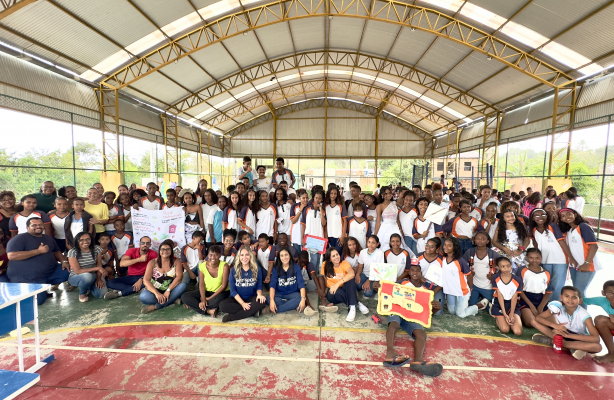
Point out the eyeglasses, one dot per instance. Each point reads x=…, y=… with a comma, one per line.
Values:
x=430, y=246
x=165, y=249
x=145, y=243
x=85, y=240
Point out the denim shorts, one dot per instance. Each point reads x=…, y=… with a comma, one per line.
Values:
x=407, y=326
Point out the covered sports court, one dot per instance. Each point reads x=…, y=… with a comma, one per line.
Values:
x=513, y=94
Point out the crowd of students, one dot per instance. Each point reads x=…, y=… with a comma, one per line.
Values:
x=497, y=252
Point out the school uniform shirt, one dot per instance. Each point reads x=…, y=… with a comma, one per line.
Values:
x=353, y=260
x=367, y=259
x=191, y=256
x=122, y=244
x=249, y=175
x=579, y=204
x=283, y=214
x=247, y=285
x=489, y=201
x=548, y=244
x=264, y=256
x=407, y=221
x=477, y=213
x=17, y=224
x=341, y=271
x=165, y=206
x=312, y=219
x=371, y=213
x=263, y=184
x=58, y=224
x=107, y=255
x=295, y=231
x=452, y=214
x=492, y=228
x=248, y=217
x=286, y=175
x=127, y=220
x=536, y=282
x=575, y=322
x=206, y=210
x=114, y=212
x=507, y=290
x=265, y=220
x=155, y=205
x=228, y=259
x=426, y=285
x=359, y=230
x=334, y=220
x=454, y=277
x=481, y=267
x=285, y=284
x=215, y=219
x=399, y=259
x=458, y=227
x=230, y=219
x=419, y=228
x=426, y=264
x=579, y=240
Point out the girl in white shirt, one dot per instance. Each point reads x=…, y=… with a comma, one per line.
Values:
x=266, y=217
x=365, y=276
x=283, y=212
x=351, y=252
x=407, y=216
x=209, y=204
x=371, y=210
x=230, y=219
x=397, y=255
x=311, y=223
x=296, y=237
x=335, y=219
x=423, y=229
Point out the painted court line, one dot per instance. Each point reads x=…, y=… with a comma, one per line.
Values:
x=311, y=360
x=289, y=327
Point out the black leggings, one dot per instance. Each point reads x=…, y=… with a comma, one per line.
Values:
x=235, y=310
x=192, y=300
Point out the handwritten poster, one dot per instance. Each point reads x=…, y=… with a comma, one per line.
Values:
x=409, y=303
x=159, y=226
x=385, y=272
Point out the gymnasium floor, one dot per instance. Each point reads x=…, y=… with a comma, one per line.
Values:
x=108, y=350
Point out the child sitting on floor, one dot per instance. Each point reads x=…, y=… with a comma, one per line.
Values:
x=536, y=293
x=414, y=330
x=505, y=302
x=567, y=319
x=605, y=324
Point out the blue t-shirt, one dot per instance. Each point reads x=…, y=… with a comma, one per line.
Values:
x=34, y=269
x=246, y=286
x=218, y=231
x=598, y=301
x=285, y=284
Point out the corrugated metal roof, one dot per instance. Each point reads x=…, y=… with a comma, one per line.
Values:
x=276, y=40
x=390, y=131
x=595, y=111
x=48, y=25
x=505, y=8
x=308, y=34
x=442, y=56
x=162, y=12
x=505, y=84
x=410, y=46
x=473, y=70
x=597, y=91
x=188, y=73
x=245, y=49
x=115, y=18
x=345, y=33
x=593, y=37
x=160, y=87
x=216, y=61
x=378, y=37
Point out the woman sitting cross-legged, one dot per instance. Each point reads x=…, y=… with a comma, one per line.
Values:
x=212, y=284
x=245, y=283
x=162, y=280
x=86, y=269
x=287, y=291
x=341, y=284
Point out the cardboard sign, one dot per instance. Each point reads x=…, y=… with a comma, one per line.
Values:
x=434, y=275
x=315, y=243
x=385, y=272
x=411, y=304
x=159, y=226
x=436, y=214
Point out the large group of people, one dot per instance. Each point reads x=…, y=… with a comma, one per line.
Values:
x=505, y=253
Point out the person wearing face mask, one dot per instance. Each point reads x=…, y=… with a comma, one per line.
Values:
x=358, y=226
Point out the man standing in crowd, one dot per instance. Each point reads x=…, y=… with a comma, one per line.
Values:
x=46, y=197
x=136, y=260
x=282, y=174
x=35, y=258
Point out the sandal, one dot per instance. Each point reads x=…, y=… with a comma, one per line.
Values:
x=329, y=308
x=427, y=369
x=395, y=363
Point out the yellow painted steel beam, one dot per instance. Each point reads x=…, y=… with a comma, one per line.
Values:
x=108, y=106
x=490, y=145
x=8, y=7
x=563, y=117
x=171, y=143
x=389, y=11
x=333, y=58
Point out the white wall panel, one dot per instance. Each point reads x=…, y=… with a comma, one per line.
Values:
x=342, y=113
x=262, y=131
x=300, y=128
x=401, y=149
x=308, y=113
x=390, y=131
x=251, y=147
x=305, y=149
x=348, y=129
x=353, y=149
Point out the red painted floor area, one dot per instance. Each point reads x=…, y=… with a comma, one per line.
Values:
x=92, y=375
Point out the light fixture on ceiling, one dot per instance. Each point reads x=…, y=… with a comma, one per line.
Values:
x=176, y=61
x=489, y=58
x=413, y=29
x=272, y=79
x=330, y=17
x=245, y=33
x=24, y=56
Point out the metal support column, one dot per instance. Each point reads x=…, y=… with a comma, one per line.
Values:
x=171, y=143
x=490, y=145
x=108, y=103
x=563, y=117
x=376, y=149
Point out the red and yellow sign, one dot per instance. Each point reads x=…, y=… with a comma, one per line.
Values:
x=410, y=303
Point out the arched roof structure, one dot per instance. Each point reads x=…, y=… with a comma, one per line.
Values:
x=434, y=65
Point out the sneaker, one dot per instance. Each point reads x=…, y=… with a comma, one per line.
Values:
x=310, y=312
x=112, y=294
x=542, y=339
x=329, y=308
x=578, y=354
x=351, y=315
x=485, y=303
x=362, y=308
x=84, y=297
